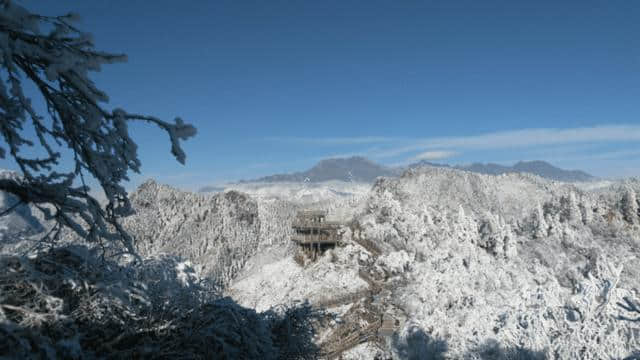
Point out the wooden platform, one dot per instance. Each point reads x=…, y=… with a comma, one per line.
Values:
x=311, y=228
x=388, y=326
x=313, y=239
x=308, y=224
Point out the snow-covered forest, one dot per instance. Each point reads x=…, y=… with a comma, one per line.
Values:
x=472, y=266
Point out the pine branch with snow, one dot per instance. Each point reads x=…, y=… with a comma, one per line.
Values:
x=53, y=55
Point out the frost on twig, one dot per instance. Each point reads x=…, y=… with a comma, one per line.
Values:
x=56, y=57
x=631, y=306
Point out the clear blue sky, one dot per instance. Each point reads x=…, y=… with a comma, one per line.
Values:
x=274, y=86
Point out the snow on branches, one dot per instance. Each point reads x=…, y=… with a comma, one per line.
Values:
x=58, y=61
x=69, y=303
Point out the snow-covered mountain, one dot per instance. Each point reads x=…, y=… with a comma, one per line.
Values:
x=467, y=265
x=473, y=264
x=511, y=258
x=356, y=168
x=216, y=232
x=221, y=231
x=535, y=167
x=19, y=222
x=360, y=169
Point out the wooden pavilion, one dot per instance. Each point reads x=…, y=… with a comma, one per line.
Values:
x=313, y=233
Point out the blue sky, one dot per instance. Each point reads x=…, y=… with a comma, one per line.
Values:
x=274, y=86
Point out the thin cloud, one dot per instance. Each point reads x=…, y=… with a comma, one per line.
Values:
x=624, y=154
x=606, y=155
x=521, y=138
x=173, y=177
x=496, y=140
x=435, y=155
x=342, y=155
x=336, y=140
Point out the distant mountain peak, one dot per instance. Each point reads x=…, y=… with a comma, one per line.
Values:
x=546, y=170
x=361, y=169
x=535, y=167
x=347, y=160
x=354, y=168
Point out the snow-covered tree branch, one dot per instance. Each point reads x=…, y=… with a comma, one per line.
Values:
x=630, y=306
x=57, y=58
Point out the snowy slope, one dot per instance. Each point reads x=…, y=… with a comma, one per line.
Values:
x=472, y=266
x=509, y=265
x=512, y=258
x=23, y=221
x=283, y=281
x=216, y=232
x=221, y=231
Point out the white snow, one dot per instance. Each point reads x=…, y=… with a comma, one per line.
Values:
x=285, y=281
x=471, y=261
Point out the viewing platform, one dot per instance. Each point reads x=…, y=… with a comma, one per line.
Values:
x=313, y=232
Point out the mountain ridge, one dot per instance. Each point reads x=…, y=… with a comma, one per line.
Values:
x=355, y=168
x=361, y=169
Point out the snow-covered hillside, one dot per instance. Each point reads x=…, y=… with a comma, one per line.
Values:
x=220, y=232
x=511, y=259
x=509, y=265
x=470, y=266
x=19, y=221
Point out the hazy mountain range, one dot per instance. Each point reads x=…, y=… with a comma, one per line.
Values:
x=536, y=167
x=355, y=168
x=360, y=169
